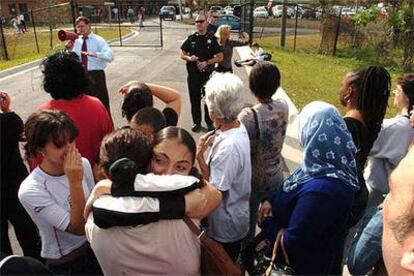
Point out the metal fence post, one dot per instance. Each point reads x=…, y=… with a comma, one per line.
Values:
x=34, y=30
x=72, y=7
x=251, y=22
x=161, y=33
x=283, y=27
x=119, y=23
x=296, y=26
x=338, y=28
x=3, y=40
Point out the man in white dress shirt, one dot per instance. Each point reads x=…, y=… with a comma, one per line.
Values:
x=94, y=53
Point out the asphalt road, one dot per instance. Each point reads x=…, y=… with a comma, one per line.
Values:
x=148, y=64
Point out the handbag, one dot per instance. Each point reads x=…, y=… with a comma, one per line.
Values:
x=277, y=269
x=253, y=255
x=214, y=259
x=256, y=157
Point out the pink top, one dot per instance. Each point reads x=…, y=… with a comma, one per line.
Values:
x=166, y=247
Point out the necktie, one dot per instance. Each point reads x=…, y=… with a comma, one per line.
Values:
x=85, y=57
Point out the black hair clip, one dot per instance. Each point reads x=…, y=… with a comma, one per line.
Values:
x=123, y=172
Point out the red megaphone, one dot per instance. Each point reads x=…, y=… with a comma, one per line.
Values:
x=64, y=35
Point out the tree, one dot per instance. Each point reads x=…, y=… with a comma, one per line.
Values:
x=399, y=26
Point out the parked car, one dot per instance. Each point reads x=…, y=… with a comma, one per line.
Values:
x=260, y=12
x=348, y=12
x=231, y=20
x=305, y=12
x=278, y=11
x=218, y=9
x=228, y=10
x=168, y=12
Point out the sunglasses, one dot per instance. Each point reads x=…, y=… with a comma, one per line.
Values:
x=215, y=16
x=199, y=21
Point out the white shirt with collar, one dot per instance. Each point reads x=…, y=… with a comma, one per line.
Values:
x=230, y=171
x=96, y=44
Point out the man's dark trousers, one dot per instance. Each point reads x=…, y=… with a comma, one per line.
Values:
x=195, y=82
x=98, y=88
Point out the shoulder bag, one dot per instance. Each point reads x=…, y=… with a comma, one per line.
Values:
x=256, y=156
x=277, y=269
x=214, y=259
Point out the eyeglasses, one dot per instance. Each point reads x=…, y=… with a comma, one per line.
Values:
x=199, y=21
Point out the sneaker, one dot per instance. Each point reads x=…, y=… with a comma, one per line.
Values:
x=238, y=63
x=211, y=127
x=196, y=128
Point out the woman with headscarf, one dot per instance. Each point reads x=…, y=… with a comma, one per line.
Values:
x=314, y=204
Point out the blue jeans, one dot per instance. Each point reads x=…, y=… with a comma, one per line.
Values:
x=366, y=251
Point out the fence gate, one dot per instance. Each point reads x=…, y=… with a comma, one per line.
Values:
x=137, y=24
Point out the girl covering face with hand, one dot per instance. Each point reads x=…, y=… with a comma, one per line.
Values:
x=54, y=194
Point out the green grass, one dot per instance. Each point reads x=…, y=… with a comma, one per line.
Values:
x=22, y=47
x=307, y=76
x=290, y=23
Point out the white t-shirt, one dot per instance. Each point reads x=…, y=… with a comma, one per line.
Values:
x=230, y=170
x=389, y=149
x=47, y=200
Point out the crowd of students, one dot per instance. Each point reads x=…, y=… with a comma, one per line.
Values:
x=152, y=174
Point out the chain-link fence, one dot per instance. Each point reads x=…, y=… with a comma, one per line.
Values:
x=329, y=29
x=127, y=19
x=117, y=23
x=39, y=36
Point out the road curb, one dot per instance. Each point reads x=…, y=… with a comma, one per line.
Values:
x=291, y=151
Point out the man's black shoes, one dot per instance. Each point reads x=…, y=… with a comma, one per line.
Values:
x=211, y=127
x=196, y=128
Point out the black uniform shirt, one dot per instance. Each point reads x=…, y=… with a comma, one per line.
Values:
x=204, y=47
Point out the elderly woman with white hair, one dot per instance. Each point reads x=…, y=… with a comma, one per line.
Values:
x=228, y=165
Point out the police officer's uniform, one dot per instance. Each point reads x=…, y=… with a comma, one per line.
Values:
x=205, y=47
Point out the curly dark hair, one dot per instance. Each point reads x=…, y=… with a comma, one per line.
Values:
x=138, y=97
x=64, y=76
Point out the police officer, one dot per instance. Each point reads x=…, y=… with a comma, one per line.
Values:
x=202, y=52
x=212, y=23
